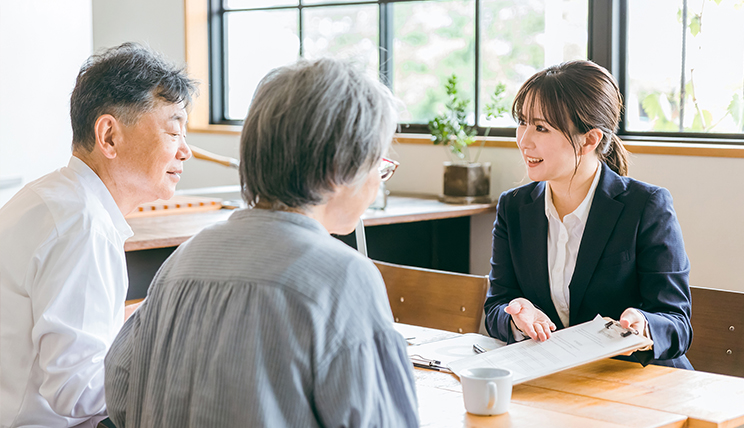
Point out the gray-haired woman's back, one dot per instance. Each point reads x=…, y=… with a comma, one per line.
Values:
x=263, y=320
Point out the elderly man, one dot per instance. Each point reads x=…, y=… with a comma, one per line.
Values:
x=63, y=277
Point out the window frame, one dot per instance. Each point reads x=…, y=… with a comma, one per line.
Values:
x=608, y=47
x=385, y=32
x=605, y=47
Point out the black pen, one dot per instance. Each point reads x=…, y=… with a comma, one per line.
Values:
x=432, y=367
x=478, y=349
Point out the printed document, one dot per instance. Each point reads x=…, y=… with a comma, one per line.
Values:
x=566, y=348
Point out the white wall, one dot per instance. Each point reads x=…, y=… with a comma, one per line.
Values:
x=160, y=25
x=42, y=45
x=707, y=191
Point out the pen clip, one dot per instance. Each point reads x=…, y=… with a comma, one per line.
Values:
x=478, y=349
x=626, y=331
x=418, y=359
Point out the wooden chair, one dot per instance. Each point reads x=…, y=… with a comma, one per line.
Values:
x=435, y=299
x=718, y=327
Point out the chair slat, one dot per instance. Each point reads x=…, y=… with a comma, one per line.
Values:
x=435, y=299
x=718, y=331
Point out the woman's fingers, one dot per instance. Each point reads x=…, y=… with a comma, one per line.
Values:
x=530, y=320
x=633, y=318
x=542, y=332
x=529, y=330
x=514, y=308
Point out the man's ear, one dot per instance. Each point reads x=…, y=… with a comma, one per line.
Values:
x=592, y=138
x=108, y=134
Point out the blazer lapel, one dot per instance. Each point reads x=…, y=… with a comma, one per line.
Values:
x=603, y=216
x=534, y=235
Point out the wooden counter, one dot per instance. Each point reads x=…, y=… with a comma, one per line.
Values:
x=172, y=230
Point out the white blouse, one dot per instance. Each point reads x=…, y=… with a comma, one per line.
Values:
x=564, y=239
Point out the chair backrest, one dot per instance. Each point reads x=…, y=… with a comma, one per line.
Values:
x=435, y=299
x=718, y=327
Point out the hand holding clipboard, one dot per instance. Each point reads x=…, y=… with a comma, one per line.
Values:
x=567, y=348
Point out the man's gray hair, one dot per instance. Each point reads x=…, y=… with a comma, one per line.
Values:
x=124, y=81
x=311, y=126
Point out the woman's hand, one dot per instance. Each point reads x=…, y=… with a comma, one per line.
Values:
x=633, y=318
x=531, y=321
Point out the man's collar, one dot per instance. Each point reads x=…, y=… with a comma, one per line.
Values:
x=93, y=182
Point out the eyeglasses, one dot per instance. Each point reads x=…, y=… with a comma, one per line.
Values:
x=387, y=168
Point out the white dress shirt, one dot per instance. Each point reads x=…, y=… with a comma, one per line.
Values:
x=564, y=239
x=63, y=281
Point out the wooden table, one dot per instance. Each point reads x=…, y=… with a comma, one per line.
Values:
x=607, y=393
x=173, y=230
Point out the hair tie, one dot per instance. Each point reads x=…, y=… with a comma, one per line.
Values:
x=608, y=144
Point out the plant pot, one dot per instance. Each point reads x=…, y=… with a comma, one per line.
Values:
x=466, y=183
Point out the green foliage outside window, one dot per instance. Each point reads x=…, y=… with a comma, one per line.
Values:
x=667, y=109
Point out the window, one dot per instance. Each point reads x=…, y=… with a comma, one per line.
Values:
x=675, y=83
x=414, y=46
x=685, y=67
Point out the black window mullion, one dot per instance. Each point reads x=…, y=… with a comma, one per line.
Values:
x=476, y=102
x=217, y=51
x=622, y=57
x=604, y=34
x=301, y=19
x=607, y=40
x=385, y=43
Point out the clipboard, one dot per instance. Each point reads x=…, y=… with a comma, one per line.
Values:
x=440, y=354
x=567, y=348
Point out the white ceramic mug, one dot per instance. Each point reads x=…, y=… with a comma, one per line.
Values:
x=486, y=391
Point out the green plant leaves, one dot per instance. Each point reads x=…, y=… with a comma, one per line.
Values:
x=652, y=107
x=695, y=23
x=451, y=127
x=497, y=107
x=702, y=123
x=736, y=110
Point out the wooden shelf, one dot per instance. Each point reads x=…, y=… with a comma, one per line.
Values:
x=172, y=230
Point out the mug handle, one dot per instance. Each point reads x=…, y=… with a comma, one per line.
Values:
x=492, y=394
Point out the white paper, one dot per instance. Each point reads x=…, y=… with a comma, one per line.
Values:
x=456, y=348
x=416, y=335
x=566, y=348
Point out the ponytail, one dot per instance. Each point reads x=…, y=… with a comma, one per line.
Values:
x=577, y=96
x=616, y=156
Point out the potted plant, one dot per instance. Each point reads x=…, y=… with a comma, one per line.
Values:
x=465, y=180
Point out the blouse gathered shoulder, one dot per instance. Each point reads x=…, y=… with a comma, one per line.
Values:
x=262, y=320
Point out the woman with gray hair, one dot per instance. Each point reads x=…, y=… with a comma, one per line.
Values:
x=266, y=319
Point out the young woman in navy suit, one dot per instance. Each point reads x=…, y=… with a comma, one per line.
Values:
x=583, y=238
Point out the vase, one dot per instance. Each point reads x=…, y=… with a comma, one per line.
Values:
x=467, y=182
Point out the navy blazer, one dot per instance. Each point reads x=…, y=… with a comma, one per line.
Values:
x=631, y=255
